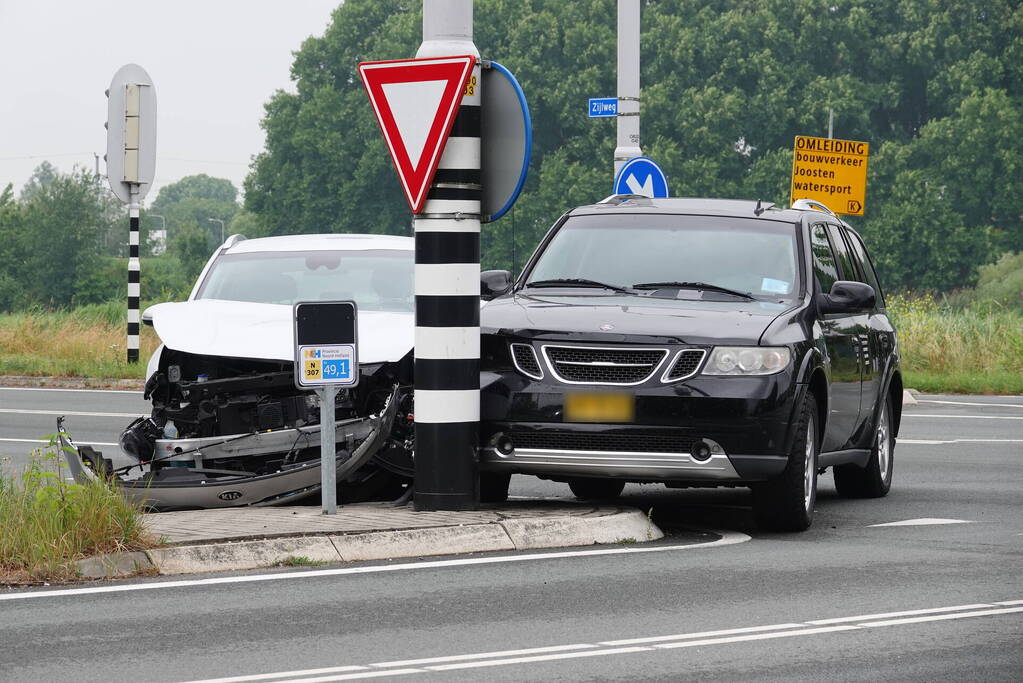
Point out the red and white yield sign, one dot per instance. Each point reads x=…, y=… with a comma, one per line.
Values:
x=415, y=102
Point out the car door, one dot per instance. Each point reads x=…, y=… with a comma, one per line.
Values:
x=879, y=328
x=838, y=331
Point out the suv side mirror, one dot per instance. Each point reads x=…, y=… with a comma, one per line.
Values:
x=847, y=296
x=494, y=283
x=147, y=316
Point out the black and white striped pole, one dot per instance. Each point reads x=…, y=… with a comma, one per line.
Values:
x=131, y=165
x=447, y=288
x=134, y=279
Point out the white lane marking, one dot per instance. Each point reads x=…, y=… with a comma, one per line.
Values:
x=540, y=658
x=727, y=538
x=704, y=634
x=923, y=521
x=935, y=442
x=486, y=655
x=77, y=413
x=906, y=613
x=942, y=617
x=306, y=672
x=966, y=417
x=103, y=391
x=580, y=650
x=756, y=636
x=82, y=443
x=968, y=403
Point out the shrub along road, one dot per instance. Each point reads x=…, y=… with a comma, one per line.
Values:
x=958, y=461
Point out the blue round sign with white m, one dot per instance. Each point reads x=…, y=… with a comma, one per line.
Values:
x=642, y=176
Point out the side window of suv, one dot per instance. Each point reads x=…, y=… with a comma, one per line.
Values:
x=845, y=261
x=866, y=266
x=823, y=257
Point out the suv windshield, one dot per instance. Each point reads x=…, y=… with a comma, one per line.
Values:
x=744, y=255
x=377, y=280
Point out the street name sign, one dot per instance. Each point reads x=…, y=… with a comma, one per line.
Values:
x=415, y=102
x=603, y=107
x=833, y=172
x=641, y=175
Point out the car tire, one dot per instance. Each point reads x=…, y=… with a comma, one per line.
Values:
x=494, y=487
x=596, y=489
x=786, y=502
x=874, y=480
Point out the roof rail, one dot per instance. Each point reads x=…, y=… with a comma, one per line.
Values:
x=812, y=205
x=233, y=240
x=618, y=199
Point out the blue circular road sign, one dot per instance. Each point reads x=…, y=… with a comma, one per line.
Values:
x=641, y=175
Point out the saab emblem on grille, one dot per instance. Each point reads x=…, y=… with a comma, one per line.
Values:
x=607, y=327
x=230, y=495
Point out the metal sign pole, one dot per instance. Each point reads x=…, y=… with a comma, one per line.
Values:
x=447, y=288
x=328, y=450
x=628, y=84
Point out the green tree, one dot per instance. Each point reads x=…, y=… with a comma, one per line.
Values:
x=936, y=87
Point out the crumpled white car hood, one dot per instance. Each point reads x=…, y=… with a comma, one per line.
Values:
x=252, y=330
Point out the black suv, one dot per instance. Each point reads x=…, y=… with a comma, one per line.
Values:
x=693, y=342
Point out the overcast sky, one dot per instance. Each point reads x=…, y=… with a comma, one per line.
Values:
x=214, y=64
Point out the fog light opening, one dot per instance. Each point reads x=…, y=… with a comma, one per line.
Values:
x=701, y=451
x=504, y=445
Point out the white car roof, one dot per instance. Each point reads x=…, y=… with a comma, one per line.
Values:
x=326, y=242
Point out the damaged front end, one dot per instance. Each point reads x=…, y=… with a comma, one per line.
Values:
x=230, y=431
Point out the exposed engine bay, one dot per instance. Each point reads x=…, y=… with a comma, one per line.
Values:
x=221, y=421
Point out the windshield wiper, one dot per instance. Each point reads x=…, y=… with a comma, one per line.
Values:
x=576, y=282
x=693, y=285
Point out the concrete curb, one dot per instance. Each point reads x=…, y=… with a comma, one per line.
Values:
x=623, y=526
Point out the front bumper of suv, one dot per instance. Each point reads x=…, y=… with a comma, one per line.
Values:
x=708, y=430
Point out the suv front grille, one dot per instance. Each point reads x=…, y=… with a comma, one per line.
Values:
x=598, y=365
x=686, y=365
x=603, y=442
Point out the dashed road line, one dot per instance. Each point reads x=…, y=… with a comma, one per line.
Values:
x=971, y=403
x=943, y=416
x=81, y=443
x=936, y=442
x=101, y=391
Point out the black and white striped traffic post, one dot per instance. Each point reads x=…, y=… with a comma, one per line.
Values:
x=134, y=281
x=447, y=288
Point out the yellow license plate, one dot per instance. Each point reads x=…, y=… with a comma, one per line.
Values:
x=600, y=407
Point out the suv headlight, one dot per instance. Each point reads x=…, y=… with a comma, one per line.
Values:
x=747, y=360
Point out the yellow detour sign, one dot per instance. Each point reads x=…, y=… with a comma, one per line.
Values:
x=833, y=172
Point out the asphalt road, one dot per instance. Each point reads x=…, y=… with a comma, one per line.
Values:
x=757, y=607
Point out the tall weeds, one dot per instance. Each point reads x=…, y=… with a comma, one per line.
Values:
x=47, y=522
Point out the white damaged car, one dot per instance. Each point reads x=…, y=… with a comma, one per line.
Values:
x=228, y=426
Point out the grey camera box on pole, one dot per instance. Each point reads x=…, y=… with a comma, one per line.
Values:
x=131, y=166
x=131, y=133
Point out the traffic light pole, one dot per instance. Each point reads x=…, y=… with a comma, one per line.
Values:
x=447, y=288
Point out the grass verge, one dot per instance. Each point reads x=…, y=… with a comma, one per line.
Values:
x=47, y=522
x=953, y=350
x=944, y=348
x=85, y=342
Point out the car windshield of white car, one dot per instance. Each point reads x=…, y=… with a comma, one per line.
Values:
x=377, y=280
x=708, y=257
